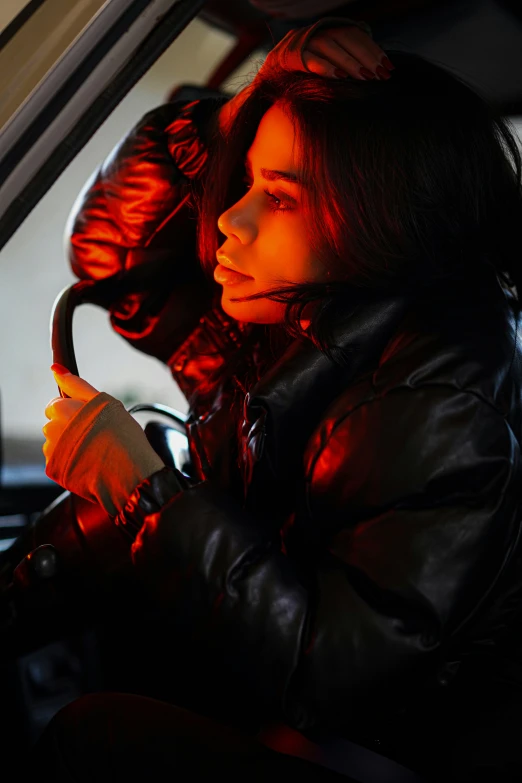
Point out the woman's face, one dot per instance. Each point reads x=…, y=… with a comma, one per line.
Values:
x=266, y=237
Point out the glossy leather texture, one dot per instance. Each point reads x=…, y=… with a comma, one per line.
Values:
x=353, y=537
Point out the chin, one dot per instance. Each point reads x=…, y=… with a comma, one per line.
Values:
x=257, y=311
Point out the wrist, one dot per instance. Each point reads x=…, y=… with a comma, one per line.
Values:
x=149, y=497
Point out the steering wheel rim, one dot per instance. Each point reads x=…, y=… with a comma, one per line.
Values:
x=100, y=292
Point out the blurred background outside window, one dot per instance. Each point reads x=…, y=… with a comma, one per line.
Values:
x=35, y=270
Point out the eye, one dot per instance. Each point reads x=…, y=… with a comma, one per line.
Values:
x=276, y=203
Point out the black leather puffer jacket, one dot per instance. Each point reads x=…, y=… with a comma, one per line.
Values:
x=363, y=535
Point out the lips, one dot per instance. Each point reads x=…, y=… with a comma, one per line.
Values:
x=226, y=276
x=225, y=261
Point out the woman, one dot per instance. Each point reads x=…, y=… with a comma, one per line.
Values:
x=349, y=541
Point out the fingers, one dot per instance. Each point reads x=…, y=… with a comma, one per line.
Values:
x=52, y=431
x=63, y=409
x=325, y=56
x=317, y=64
x=59, y=411
x=74, y=386
x=348, y=49
x=359, y=46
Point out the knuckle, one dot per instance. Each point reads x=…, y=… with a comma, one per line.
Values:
x=309, y=54
x=318, y=69
x=350, y=65
x=317, y=65
x=51, y=405
x=344, y=35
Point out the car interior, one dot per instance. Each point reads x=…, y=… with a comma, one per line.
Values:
x=69, y=608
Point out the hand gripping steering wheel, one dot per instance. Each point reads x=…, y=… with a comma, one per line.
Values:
x=86, y=549
x=62, y=347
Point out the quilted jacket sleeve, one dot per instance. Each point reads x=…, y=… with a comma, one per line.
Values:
x=134, y=222
x=412, y=500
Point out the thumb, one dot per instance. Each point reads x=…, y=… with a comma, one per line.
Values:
x=75, y=387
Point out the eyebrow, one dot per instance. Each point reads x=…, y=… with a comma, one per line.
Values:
x=273, y=174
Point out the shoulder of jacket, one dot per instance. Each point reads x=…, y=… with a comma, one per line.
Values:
x=361, y=410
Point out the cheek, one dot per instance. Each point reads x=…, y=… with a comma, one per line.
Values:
x=285, y=255
x=302, y=268
x=281, y=237
x=301, y=263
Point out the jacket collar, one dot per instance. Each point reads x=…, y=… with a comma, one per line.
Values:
x=285, y=406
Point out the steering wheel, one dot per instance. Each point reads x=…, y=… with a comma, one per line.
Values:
x=76, y=541
x=62, y=347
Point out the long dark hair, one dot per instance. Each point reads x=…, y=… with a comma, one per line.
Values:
x=411, y=181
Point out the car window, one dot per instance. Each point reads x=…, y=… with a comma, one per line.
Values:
x=46, y=34
x=35, y=270
x=9, y=10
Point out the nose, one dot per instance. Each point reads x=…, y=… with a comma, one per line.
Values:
x=239, y=222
